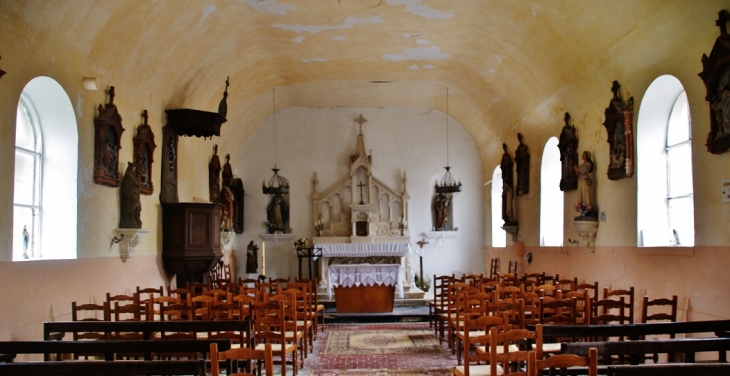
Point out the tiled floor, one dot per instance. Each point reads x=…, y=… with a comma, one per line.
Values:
x=318, y=361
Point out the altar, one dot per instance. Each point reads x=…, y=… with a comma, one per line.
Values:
x=364, y=287
x=361, y=253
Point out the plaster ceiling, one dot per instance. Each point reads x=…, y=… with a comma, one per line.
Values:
x=499, y=59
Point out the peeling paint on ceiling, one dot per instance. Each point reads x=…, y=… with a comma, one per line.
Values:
x=269, y=6
x=414, y=7
x=208, y=11
x=419, y=53
x=314, y=29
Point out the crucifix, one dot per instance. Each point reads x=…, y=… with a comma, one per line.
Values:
x=361, y=185
x=361, y=120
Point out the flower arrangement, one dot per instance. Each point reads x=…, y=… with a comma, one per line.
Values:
x=300, y=243
x=422, y=242
x=583, y=209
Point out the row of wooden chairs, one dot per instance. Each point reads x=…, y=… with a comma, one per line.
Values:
x=497, y=352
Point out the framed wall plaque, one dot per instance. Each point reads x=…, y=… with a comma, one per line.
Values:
x=716, y=76
x=619, y=124
x=107, y=142
x=144, y=150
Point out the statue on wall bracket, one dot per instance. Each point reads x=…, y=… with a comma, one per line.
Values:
x=619, y=125
x=716, y=76
x=568, y=145
x=107, y=142
x=508, y=188
x=144, y=149
x=522, y=160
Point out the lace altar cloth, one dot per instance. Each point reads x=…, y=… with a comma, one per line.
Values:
x=364, y=275
x=363, y=249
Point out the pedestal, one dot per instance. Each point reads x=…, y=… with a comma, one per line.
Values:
x=364, y=299
x=129, y=238
x=587, y=230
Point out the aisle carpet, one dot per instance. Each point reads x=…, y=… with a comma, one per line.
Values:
x=379, y=372
x=358, y=342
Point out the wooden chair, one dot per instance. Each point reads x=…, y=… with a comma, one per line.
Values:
x=124, y=307
x=440, y=297
x=90, y=312
x=154, y=309
x=566, y=284
x=317, y=308
x=512, y=269
x=556, y=312
x=241, y=354
x=493, y=267
x=667, y=313
x=201, y=306
x=306, y=311
x=481, y=329
x=562, y=361
x=475, y=320
x=505, y=349
x=228, y=311
x=590, y=288
x=629, y=301
x=582, y=306
x=267, y=323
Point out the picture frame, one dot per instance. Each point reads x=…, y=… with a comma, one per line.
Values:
x=716, y=77
x=108, y=131
x=619, y=125
x=144, y=150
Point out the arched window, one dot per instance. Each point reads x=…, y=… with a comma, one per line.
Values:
x=665, y=208
x=28, y=171
x=499, y=236
x=46, y=174
x=551, y=197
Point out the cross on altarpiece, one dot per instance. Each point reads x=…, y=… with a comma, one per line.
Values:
x=361, y=185
x=361, y=120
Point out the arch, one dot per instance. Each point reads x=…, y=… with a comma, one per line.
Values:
x=551, y=197
x=664, y=213
x=58, y=188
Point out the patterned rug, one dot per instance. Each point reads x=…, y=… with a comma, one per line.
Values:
x=355, y=342
x=381, y=372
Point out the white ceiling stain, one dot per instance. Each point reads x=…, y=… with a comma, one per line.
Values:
x=314, y=60
x=413, y=67
x=411, y=35
x=314, y=29
x=299, y=39
x=429, y=66
x=498, y=58
x=208, y=11
x=340, y=37
x=424, y=42
x=412, y=6
x=269, y=6
x=419, y=53
x=536, y=10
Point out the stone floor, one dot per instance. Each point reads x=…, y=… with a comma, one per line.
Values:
x=318, y=361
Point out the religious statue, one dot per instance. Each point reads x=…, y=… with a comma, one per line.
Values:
x=568, y=145
x=522, y=159
x=441, y=206
x=252, y=263
x=26, y=240
x=226, y=196
x=214, y=170
x=278, y=213
x=129, y=200
x=586, y=187
x=508, y=213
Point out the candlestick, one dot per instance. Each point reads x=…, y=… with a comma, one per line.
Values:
x=263, y=258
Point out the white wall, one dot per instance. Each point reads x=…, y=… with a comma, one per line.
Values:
x=320, y=140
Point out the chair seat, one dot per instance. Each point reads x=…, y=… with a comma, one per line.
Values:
x=277, y=347
x=478, y=370
x=500, y=349
x=552, y=348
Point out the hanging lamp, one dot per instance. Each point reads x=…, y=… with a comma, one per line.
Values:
x=448, y=185
x=277, y=185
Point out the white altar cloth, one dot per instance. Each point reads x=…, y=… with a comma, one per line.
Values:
x=364, y=275
x=363, y=249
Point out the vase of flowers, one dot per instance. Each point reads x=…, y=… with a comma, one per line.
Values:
x=586, y=211
x=300, y=243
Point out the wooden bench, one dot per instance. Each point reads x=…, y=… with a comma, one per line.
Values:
x=634, y=331
x=95, y=368
x=635, y=350
x=57, y=329
x=111, y=349
x=671, y=369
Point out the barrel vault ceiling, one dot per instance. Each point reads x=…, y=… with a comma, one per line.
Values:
x=499, y=59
